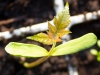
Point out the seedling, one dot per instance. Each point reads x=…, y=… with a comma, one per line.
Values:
x=96, y=52
x=54, y=34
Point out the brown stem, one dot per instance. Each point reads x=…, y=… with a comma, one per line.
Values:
x=39, y=61
x=35, y=63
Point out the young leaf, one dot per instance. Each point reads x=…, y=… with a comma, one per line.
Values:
x=51, y=28
x=62, y=33
x=75, y=45
x=26, y=50
x=41, y=37
x=62, y=21
x=56, y=31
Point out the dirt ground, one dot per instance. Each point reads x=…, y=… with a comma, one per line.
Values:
x=21, y=13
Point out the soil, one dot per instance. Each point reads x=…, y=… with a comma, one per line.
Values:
x=20, y=13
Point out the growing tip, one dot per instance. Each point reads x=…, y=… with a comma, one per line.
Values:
x=67, y=4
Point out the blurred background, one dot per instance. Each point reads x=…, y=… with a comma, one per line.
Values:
x=15, y=14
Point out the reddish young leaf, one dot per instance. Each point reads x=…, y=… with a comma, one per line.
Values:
x=62, y=21
x=62, y=33
x=51, y=28
x=41, y=37
x=54, y=38
x=56, y=31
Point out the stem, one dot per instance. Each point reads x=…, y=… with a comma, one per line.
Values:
x=51, y=50
x=39, y=61
x=35, y=63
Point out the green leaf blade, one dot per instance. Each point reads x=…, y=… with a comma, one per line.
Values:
x=75, y=45
x=26, y=50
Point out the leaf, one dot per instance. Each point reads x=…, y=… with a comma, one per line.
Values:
x=94, y=51
x=41, y=37
x=62, y=21
x=98, y=58
x=54, y=39
x=98, y=43
x=26, y=50
x=56, y=31
x=75, y=45
x=51, y=28
x=30, y=50
x=62, y=33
